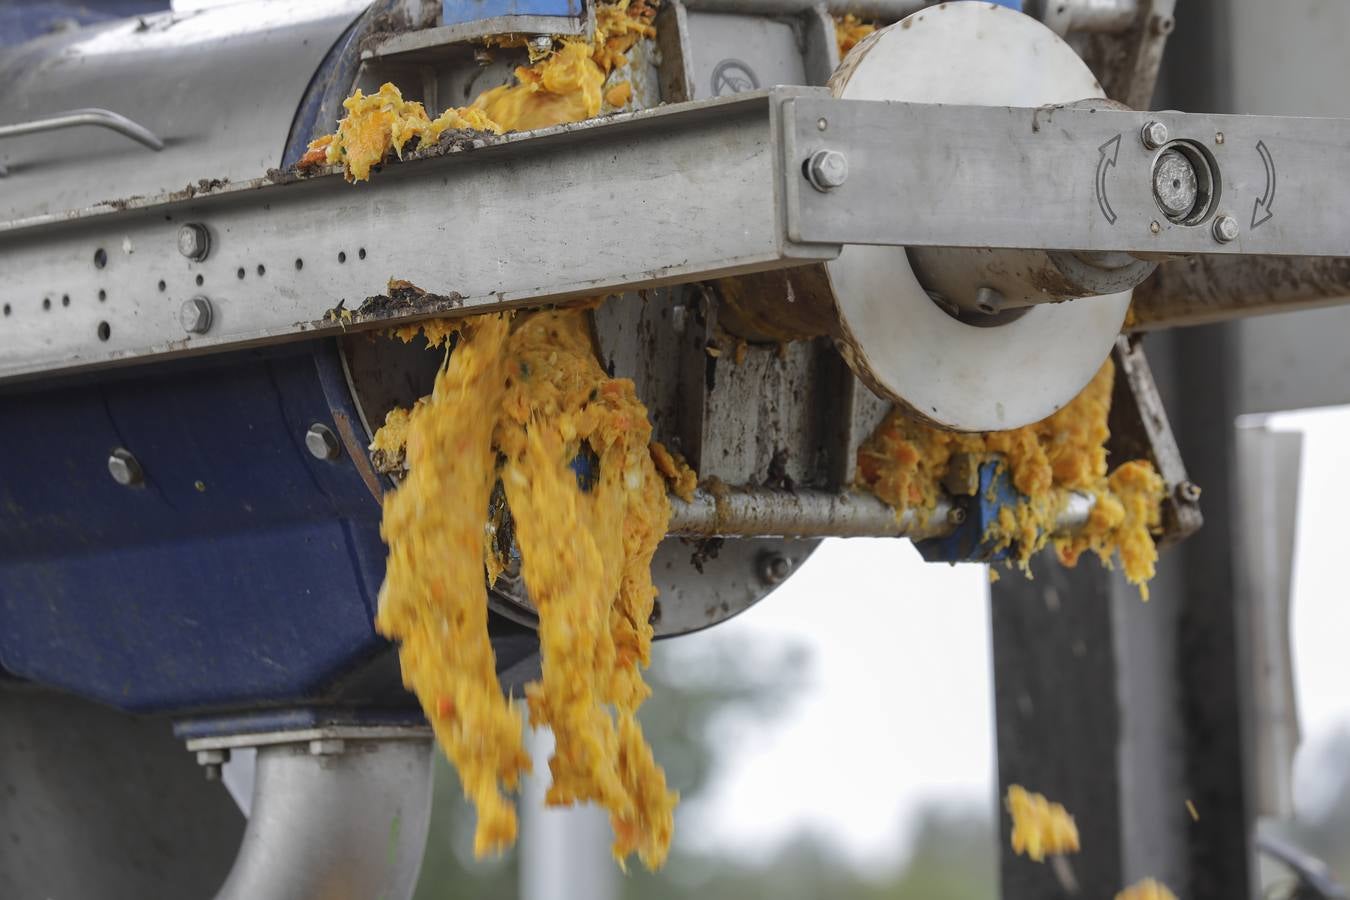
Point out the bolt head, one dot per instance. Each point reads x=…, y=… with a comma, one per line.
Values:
x=775, y=568
x=194, y=241
x=989, y=301
x=827, y=169
x=195, y=315
x=956, y=516
x=1188, y=492
x=1225, y=229
x=322, y=442
x=125, y=469
x=1153, y=134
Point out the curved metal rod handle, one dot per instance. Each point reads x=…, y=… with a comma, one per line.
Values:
x=102, y=118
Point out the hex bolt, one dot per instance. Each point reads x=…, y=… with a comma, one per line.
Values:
x=1225, y=229
x=774, y=568
x=989, y=301
x=1153, y=134
x=125, y=469
x=195, y=315
x=211, y=761
x=827, y=169
x=1188, y=492
x=322, y=443
x=194, y=241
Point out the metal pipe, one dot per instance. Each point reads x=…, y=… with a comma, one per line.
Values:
x=1200, y=290
x=805, y=513
x=335, y=817
x=101, y=118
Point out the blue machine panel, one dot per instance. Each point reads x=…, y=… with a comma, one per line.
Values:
x=244, y=570
x=455, y=12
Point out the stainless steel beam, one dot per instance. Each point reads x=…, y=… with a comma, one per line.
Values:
x=679, y=193
x=1062, y=178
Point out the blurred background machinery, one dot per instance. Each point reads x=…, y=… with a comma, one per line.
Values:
x=190, y=520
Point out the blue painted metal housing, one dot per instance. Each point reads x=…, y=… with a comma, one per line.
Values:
x=455, y=12
x=243, y=571
x=968, y=542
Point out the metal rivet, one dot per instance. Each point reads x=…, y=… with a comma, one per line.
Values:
x=1153, y=134
x=1218, y=138
x=194, y=241
x=822, y=124
x=1188, y=492
x=774, y=568
x=322, y=442
x=1225, y=229
x=1155, y=226
x=827, y=169
x=956, y=515
x=195, y=315
x=124, y=468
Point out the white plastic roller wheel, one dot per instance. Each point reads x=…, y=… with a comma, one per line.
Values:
x=958, y=376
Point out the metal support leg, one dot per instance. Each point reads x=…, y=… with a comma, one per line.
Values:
x=340, y=817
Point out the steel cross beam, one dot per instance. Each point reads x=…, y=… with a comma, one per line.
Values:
x=1084, y=177
x=676, y=194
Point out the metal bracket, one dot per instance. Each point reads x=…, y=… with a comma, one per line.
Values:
x=1076, y=177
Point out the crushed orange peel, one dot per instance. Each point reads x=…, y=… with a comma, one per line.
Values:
x=1039, y=828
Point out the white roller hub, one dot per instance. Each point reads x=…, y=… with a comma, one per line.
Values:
x=960, y=376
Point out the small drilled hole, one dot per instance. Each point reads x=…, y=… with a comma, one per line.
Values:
x=104, y=331
x=7, y=309
x=100, y=258
x=46, y=303
x=299, y=264
x=262, y=270
x=342, y=256
x=361, y=253
x=162, y=286
x=102, y=295
x=200, y=279
x=65, y=299
x=239, y=273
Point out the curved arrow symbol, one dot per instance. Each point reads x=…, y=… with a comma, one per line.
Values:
x=1261, y=211
x=1106, y=162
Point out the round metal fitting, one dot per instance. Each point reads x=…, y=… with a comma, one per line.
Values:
x=1175, y=184
x=194, y=241
x=195, y=315
x=1153, y=134
x=1186, y=183
x=125, y=469
x=1188, y=492
x=827, y=169
x=322, y=443
x=1225, y=229
x=956, y=516
x=774, y=568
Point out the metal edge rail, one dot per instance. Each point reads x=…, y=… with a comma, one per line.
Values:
x=676, y=194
